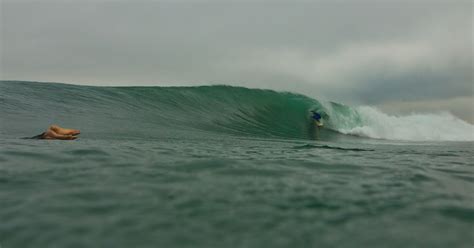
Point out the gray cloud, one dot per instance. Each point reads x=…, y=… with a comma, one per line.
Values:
x=363, y=52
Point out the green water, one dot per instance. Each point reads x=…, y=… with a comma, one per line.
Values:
x=150, y=171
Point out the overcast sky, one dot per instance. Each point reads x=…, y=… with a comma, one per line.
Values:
x=403, y=56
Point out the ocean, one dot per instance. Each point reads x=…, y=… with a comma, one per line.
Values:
x=223, y=166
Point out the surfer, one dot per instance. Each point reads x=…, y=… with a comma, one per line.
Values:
x=57, y=132
x=317, y=118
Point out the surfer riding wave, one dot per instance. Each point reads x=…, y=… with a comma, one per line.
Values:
x=317, y=118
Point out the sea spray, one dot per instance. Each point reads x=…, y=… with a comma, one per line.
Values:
x=414, y=127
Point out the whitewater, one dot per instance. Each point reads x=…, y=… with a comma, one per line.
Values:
x=414, y=127
x=225, y=166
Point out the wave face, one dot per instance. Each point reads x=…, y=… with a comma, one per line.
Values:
x=157, y=111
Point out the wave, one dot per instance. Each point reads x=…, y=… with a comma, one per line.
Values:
x=158, y=111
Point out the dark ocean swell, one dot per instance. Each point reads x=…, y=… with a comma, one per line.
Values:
x=221, y=166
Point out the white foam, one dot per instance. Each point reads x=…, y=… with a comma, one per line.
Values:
x=414, y=127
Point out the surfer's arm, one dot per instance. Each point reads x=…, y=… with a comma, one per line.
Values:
x=63, y=131
x=50, y=134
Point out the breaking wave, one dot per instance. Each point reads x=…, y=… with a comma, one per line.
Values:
x=152, y=112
